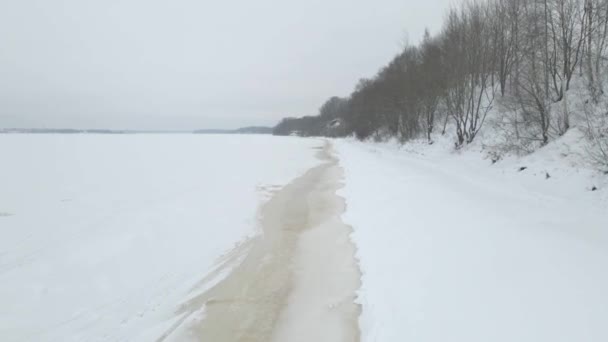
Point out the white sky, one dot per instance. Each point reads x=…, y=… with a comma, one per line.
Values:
x=187, y=64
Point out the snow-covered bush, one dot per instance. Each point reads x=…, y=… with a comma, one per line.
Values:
x=597, y=132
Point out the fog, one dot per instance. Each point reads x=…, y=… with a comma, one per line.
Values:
x=187, y=64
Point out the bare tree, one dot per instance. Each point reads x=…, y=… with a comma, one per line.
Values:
x=431, y=82
x=505, y=31
x=596, y=13
x=468, y=47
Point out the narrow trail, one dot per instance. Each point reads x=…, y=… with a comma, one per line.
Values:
x=296, y=282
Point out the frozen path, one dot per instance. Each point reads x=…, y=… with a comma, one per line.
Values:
x=295, y=282
x=453, y=249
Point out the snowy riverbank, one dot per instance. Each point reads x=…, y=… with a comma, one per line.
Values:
x=453, y=248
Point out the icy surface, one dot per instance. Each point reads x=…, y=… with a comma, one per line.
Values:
x=102, y=237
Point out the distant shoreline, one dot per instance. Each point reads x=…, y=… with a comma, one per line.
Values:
x=244, y=130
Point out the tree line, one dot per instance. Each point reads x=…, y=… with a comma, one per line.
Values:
x=521, y=56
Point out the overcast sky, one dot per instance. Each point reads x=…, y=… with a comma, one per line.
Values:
x=185, y=64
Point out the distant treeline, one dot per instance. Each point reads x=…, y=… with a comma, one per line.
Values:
x=243, y=130
x=522, y=54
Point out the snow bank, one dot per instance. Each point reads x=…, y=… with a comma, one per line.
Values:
x=453, y=248
x=103, y=236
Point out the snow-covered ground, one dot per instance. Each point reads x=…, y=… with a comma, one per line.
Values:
x=455, y=248
x=103, y=236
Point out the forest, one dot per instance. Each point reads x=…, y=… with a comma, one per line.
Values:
x=528, y=69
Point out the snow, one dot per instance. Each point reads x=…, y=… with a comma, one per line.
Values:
x=103, y=236
x=455, y=248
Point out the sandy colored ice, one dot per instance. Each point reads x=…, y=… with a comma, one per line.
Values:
x=297, y=281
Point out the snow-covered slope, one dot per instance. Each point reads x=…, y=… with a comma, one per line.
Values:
x=102, y=237
x=455, y=248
